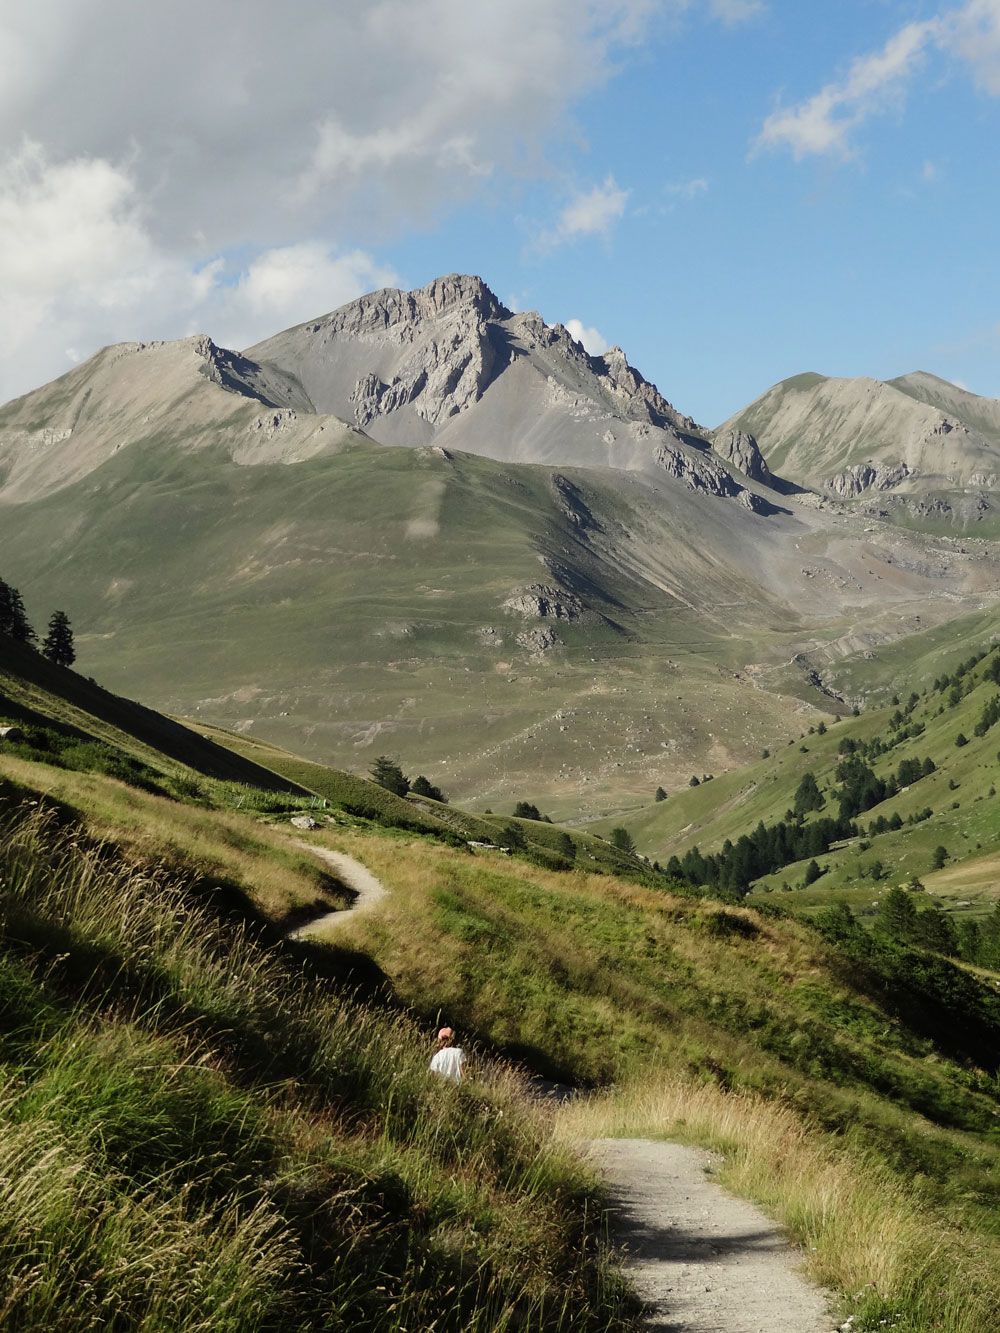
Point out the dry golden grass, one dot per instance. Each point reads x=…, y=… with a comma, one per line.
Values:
x=257, y=858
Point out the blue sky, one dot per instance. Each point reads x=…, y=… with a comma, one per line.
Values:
x=734, y=191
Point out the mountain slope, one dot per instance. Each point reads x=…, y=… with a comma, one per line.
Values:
x=228, y=547
x=924, y=440
x=166, y=1040
x=189, y=395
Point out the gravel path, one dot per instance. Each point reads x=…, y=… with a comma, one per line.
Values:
x=352, y=873
x=701, y=1260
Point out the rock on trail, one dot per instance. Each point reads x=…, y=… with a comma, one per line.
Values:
x=701, y=1260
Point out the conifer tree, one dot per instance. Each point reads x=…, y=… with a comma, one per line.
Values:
x=13, y=618
x=57, y=645
x=897, y=916
x=622, y=839
x=388, y=774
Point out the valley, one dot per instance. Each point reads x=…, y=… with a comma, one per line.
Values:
x=661, y=760
x=559, y=588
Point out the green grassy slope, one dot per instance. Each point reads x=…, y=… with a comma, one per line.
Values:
x=960, y=793
x=32, y=690
x=188, y=1092
x=356, y=601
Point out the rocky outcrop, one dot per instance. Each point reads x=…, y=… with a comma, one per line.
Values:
x=538, y=641
x=854, y=481
x=636, y=398
x=541, y=602
x=373, y=398
x=444, y=374
x=741, y=451
x=706, y=475
x=393, y=312
x=450, y=363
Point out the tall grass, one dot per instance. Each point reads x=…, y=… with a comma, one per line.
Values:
x=194, y=1134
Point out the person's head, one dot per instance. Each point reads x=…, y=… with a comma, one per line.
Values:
x=445, y=1037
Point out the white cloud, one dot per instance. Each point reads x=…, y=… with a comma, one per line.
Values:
x=973, y=34
x=590, y=212
x=592, y=341
x=79, y=267
x=172, y=135
x=164, y=138
x=687, y=189
x=291, y=284
x=732, y=12
x=823, y=123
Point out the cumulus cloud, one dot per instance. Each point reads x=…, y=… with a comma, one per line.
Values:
x=291, y=284
x=341, y=110
x=592, y=341
x=142, y=146
x=77, y=262
x=79, y=267
x=590, y=212
x=825, y=123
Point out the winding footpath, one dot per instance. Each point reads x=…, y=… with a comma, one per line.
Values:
x=701, y=1260
x=369, y=890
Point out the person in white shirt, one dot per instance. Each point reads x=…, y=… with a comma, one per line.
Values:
x=448, y=1060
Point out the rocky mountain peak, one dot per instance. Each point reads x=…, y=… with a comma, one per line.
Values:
x=394, y=312
x=638, y=398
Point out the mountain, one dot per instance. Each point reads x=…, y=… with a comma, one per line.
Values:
x=926, y=448
x=558, y=591
x=189, y=396
x=450, y=365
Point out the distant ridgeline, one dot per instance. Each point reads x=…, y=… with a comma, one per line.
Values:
x=57, y=645
x=770, y=847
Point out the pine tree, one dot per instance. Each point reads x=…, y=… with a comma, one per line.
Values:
x=622, y=839
x=57, y=645
x=13, y=618
x=526, y=810
x=389, y=775
x=424, y=787
x=808, y=795
x=660, y=794
x=897, y=916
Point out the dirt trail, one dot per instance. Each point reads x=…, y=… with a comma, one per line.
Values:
x=356, y=876
x=701, y=1260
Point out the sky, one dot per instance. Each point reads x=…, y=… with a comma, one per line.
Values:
x=733, y=191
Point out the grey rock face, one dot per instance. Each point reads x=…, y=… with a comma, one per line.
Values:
x=706, y=474
x=538, y=641
x=742, y=451
x=868, y=477
x=449, y=364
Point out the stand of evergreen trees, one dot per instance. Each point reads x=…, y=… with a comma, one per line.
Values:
x=57, y=646
x=771, y=847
